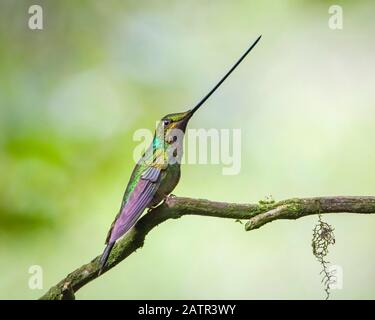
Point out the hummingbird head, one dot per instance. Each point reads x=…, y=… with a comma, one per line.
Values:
x=176, y=120
x=174, y=124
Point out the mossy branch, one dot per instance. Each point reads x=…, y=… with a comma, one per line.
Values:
x=175, y=207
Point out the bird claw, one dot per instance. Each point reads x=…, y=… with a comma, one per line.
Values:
x=165, y=201
x=168, y=197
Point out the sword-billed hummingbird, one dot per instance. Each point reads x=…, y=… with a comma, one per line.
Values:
x=158, y=171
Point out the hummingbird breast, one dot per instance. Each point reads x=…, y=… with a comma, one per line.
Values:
x=169, y=180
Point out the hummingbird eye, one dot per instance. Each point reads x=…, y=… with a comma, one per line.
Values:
x=166, y=122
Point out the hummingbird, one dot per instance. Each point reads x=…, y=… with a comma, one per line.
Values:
x=157, y=173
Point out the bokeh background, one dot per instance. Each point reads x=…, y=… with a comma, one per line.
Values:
x=72, y=95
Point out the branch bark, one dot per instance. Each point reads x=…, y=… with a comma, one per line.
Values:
x=175, y=207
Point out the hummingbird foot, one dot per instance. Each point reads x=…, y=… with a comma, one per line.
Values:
x=164, y=201
x=168, y=198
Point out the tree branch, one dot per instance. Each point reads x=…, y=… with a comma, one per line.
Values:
x=175, y=207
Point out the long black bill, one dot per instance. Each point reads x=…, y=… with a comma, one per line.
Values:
x=223, y=78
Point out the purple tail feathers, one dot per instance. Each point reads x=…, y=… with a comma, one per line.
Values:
x=104, y=258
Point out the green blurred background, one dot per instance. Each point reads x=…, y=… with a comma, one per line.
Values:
x=73, y=94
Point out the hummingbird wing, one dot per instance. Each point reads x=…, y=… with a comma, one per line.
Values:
x=151, y=174
x=139, y=199
x=138, y=196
